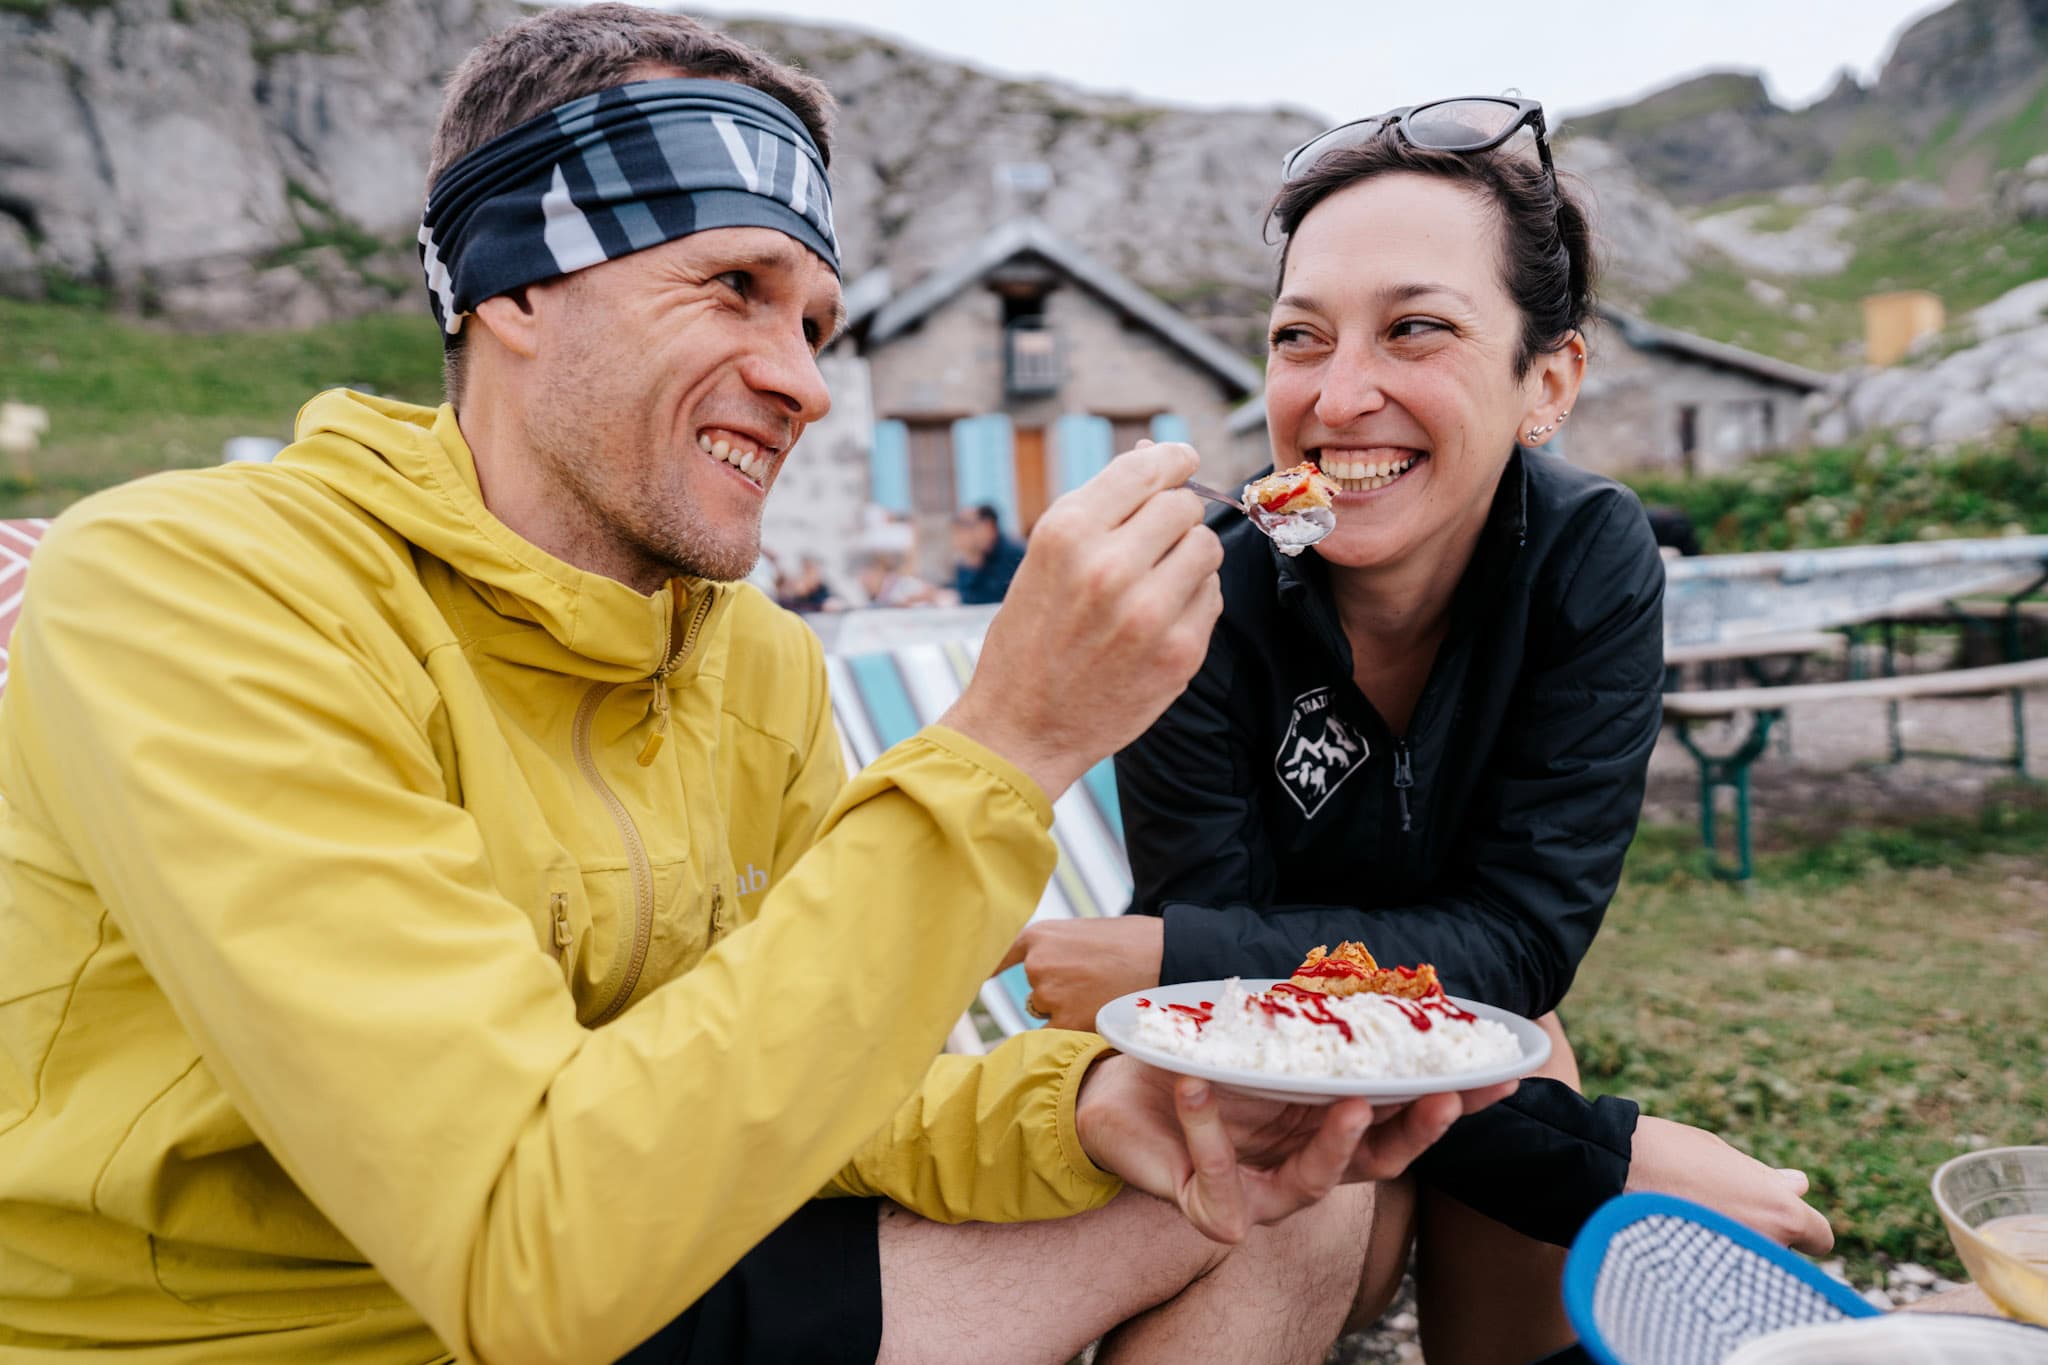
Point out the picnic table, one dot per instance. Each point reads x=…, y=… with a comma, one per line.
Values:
x=1759, y=605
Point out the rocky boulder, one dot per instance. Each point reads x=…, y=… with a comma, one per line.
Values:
x=1962, y=396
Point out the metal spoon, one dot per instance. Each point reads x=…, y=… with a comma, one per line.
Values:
x=1290, y=532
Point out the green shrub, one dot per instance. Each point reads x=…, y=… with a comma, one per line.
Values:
x=1870, y=493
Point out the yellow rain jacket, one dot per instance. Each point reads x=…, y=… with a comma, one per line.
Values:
x=412, y=946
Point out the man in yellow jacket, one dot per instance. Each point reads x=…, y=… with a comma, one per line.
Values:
x=375, y=979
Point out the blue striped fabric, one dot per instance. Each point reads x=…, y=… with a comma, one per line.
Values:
x=881, y=699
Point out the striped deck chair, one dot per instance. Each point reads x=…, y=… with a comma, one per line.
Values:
x=18, y=540
x=881, y=698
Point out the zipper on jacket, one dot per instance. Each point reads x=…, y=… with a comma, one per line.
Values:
x=558, y=911
x=659, y=733
x=1404, y=779
x=629, y=833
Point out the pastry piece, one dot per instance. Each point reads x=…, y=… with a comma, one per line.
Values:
x=1290, y=491
x=1351, y=970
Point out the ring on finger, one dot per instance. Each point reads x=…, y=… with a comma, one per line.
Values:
x=1034, y=1009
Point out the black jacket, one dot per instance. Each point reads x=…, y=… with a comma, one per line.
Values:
x=1271, y=809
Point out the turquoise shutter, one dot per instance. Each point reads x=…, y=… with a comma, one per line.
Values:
x=985, y=466
x=1081, y=444
x=1168, y=426
x=889, y=467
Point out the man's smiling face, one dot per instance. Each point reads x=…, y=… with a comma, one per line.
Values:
x=666, y=391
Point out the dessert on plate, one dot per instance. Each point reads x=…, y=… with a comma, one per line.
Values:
x=1340, y=1015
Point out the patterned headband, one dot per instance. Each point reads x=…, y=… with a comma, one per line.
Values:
x=617, y=172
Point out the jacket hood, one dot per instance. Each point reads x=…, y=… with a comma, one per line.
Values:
x=409, y=468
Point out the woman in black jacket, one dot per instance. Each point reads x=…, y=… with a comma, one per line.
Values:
x=1430, y=733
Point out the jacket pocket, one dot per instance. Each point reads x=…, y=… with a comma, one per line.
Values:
x=230, y=1234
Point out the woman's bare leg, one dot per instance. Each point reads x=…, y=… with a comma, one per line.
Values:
x=1485, y=1294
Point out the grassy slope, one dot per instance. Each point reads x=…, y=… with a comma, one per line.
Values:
x=1825, y=1020
x=127, y=399
x=1965, y=258
x=1963, y=255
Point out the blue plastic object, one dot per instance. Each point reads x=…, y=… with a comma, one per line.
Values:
x=1656, y=1280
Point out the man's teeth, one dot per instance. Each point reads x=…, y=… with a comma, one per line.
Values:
x=745, y=459
x=1355, y=474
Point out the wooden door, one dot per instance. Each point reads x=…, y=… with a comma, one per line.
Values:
x=1034, y=483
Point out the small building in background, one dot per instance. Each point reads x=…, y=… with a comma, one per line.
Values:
x=1015, y=371
x=1654, y=398
x=1659, y=398
x=1893, y=322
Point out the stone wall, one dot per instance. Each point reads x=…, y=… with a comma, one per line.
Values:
x=952, y=366
x=1628, y=415
x=817, y=503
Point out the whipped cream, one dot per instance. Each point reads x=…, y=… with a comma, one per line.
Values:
x=1291, y=1032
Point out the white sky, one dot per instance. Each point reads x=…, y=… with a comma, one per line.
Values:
x=1345, y=58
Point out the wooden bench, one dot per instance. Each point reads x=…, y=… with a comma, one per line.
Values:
x=1766, y=706
x=1792, y=644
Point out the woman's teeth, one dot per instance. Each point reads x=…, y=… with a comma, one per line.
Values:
x=744, y=458
x=1355, y=474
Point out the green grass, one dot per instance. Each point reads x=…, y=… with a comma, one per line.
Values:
x=126, y=398
x=1866, y=494
x=1965, y=258
x=1928, y=158
x=1870, y=1008
x=1685, y=103
x=1778, y=215
x=1875, y=158
x=2025, y=135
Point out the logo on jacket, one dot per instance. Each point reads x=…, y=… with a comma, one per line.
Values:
x=1319, y=752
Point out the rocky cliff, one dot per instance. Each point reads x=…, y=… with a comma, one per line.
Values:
x=224, y=159
x=237, y=161
x=1961, y=96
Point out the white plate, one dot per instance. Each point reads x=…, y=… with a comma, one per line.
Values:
x=1899, y=1339
x=1118, y=1022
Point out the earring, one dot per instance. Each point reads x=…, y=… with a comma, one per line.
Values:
x=1536, y=434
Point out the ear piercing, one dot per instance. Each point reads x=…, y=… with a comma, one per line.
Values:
x=1536, y=434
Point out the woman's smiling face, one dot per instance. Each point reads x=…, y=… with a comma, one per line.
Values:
x=1392, y=368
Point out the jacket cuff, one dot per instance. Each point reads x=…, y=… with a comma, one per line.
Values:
x=1195, y=938
x=1067, y=1091
x=992, y=763
x=1540, y=1161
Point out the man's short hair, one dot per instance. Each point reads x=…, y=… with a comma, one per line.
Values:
x=984, y=512
x=563, y=54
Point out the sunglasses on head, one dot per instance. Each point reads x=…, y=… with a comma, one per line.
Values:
x=1472, y=123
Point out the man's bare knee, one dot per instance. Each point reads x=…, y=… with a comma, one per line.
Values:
x=981, y=1290
x=1281, y=1299
x=1386, y=1253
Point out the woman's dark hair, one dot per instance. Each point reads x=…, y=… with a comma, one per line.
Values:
x=1546, y=238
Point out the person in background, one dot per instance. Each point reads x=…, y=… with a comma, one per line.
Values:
x=886, y=583
x=987, y=559
x=806, y=589
x=1673, y=531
